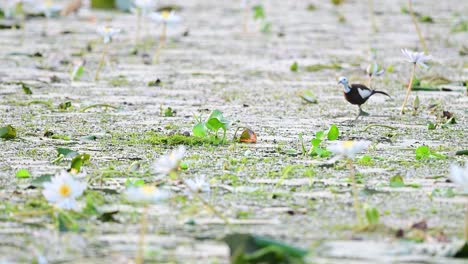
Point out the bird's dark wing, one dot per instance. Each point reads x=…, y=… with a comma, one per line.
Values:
x=363, y=91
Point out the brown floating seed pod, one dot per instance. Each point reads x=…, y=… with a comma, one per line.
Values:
x=248, y=136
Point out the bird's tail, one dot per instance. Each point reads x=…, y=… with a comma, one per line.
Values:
x=380, y=92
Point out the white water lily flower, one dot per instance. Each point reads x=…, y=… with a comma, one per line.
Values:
x=10, y=7
x=375, y=69
x=48, y=8
x=418, y=58
x=199, y=184
x=165, y=17
x=107, y=33
x=459, y=175
x=348, y=149
x=169, y=162
x=63, y=190
x=145, y=194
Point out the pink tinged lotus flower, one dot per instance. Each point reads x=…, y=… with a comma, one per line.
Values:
x=418, y=58
x=63, y=190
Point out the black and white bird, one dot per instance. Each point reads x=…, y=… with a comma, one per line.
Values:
x=357, y=94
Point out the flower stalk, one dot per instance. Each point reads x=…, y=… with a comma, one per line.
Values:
x=162, y=40
x=141, y=239
x=466, y=223
x=372, y=16
x=416, y=26
x=205, y=202
x=355, y=193
x=408, y=90
x=101, y=62
x=137, y=33
x=246, y=19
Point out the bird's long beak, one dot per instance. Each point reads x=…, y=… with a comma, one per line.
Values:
x=339, y=82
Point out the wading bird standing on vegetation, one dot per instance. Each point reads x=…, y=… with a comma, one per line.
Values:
x=357, y=94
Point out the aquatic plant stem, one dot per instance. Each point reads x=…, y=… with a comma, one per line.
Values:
x=137, y=33
x=416, y=25
x=370, y=81
x=162, y=40
x=205, y=202
x=23, y=27
x=101, y=62
x=246, y=19
x=372, y=16
x=141, y=239
x=46, y=25
x=410, y=86
x=466, y=223
x=98, y=105
x=357, y=205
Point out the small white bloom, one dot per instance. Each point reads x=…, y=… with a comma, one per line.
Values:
x=48, y=8
x=63, y=190
x=374, y=70
x=348, y=149
x=169, y=162
x=199, y=184
x=418, y=58
x=145, y=5
x=107, y=33
x=145, y=194
x=459, y=175
x=165, y=17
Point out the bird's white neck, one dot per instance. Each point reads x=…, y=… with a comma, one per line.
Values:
x=347, y=89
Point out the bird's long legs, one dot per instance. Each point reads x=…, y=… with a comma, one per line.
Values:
x=361, y=113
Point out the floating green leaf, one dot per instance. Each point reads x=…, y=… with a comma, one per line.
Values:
x=65, y=222
x=397, y=181
x=294, y=67
x=65, y=105
x=444, y=192
x=319, y=67
x=39, y=181
x=251, y=249
x=426, y=19
x=372, y=215
x=134, y=183
x=26, y=89
x=199, y=130
x=169, y=112
x=77, y=72
x=366, y=160
x=259, y=12
x=23, y=174
x=424, y=153
x=308, y=96
x=7, y=132
x=333, y=133
x=67, y=153
x=78, y=161
x=217, y=121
